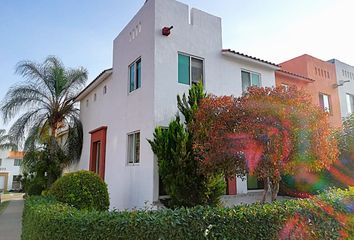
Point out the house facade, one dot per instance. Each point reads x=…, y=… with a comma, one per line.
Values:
x=10, y=169
x=345, y=86
x=162, y=51
x=321, y=84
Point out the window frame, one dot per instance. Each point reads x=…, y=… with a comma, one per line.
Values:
x=350, y=107
x=250, y=73
x=329, y=102
x=137, y=83
x=285, y=86
x=17, y=160
x=191, y=57
x=134, y=163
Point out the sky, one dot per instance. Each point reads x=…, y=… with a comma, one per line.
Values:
x=81, y=32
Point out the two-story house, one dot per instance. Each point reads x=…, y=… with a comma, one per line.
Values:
x=10, y=169
x=318, y=78
x=162, y=51
x=345, y=86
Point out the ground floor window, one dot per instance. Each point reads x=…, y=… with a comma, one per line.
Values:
x=134, y=148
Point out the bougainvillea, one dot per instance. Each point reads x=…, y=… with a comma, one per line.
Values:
x=267, y=132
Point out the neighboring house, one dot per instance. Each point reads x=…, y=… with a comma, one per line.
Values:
x=152, y=64
x=345, y=86
x=10, y=169
x=322, y=84
x=287, y=79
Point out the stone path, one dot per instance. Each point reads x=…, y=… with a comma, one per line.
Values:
x=10, y=221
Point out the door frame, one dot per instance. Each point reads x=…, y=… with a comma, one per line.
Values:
x=98, y=135
x=6, y=180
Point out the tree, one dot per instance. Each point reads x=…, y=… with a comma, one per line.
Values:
x=179, y=171
x=6, y=141
x=267, y=132
x=45, y=102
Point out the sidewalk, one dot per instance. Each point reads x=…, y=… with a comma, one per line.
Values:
x=11, y=221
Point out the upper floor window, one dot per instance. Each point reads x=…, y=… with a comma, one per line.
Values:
x=250, y=79
x=325, y=102
x=135, y=75
x=134, y=148
x=0, y=161
x=350, y=103
x=17, y=162
x=190, y=69
x=104, y=89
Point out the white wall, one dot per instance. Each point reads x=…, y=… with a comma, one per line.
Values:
x=347, y=88
x=7, y=166
x=123, y=112
x=198, y=34
x=155, y=102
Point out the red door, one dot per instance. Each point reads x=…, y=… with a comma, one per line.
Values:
x=98, y=151
x=231, y=186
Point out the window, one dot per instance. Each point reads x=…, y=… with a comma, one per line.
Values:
x=135, y=75
x=250, y=79
x=0, y=161
x=95, y=97
x=190, y=69
x=17, y=162
x=350, y=103
x=325, y=102
x=134, y=148
x=285, y=86
x=104, y=89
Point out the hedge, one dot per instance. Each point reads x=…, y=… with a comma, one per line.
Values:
x=82, y=189
x=329, y=216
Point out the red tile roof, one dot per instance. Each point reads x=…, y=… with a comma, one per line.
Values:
x=296, y=75
x=250, y=57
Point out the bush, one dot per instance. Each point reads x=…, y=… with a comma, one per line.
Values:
x=330, y=216
x=82, y=190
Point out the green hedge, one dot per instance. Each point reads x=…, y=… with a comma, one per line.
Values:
x=44, y=218
x=82, y=189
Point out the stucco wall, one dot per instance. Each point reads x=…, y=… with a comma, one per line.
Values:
x=154, y=104
x=309, y=66
x=7, y=166
x=344, y=72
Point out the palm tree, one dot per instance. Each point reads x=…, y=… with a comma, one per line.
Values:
x=6, y=141
x=44, y=103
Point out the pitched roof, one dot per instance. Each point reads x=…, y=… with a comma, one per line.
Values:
x=296, y=75
x=245, y=56
x=100, y=78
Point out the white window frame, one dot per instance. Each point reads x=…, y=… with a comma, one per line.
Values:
x=285, y=86
x=135, y=80
x=349, y=106
x=190, y=67
x=329, y=109
x=134, y=163
x=251, y=72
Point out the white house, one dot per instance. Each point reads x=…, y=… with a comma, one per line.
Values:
x=345, y=80
x=10, y=169
x=152, y=64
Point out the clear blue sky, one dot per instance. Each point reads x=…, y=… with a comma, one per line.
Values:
x=81, y=32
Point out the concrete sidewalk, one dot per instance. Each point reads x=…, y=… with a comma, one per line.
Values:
x=11, y=221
